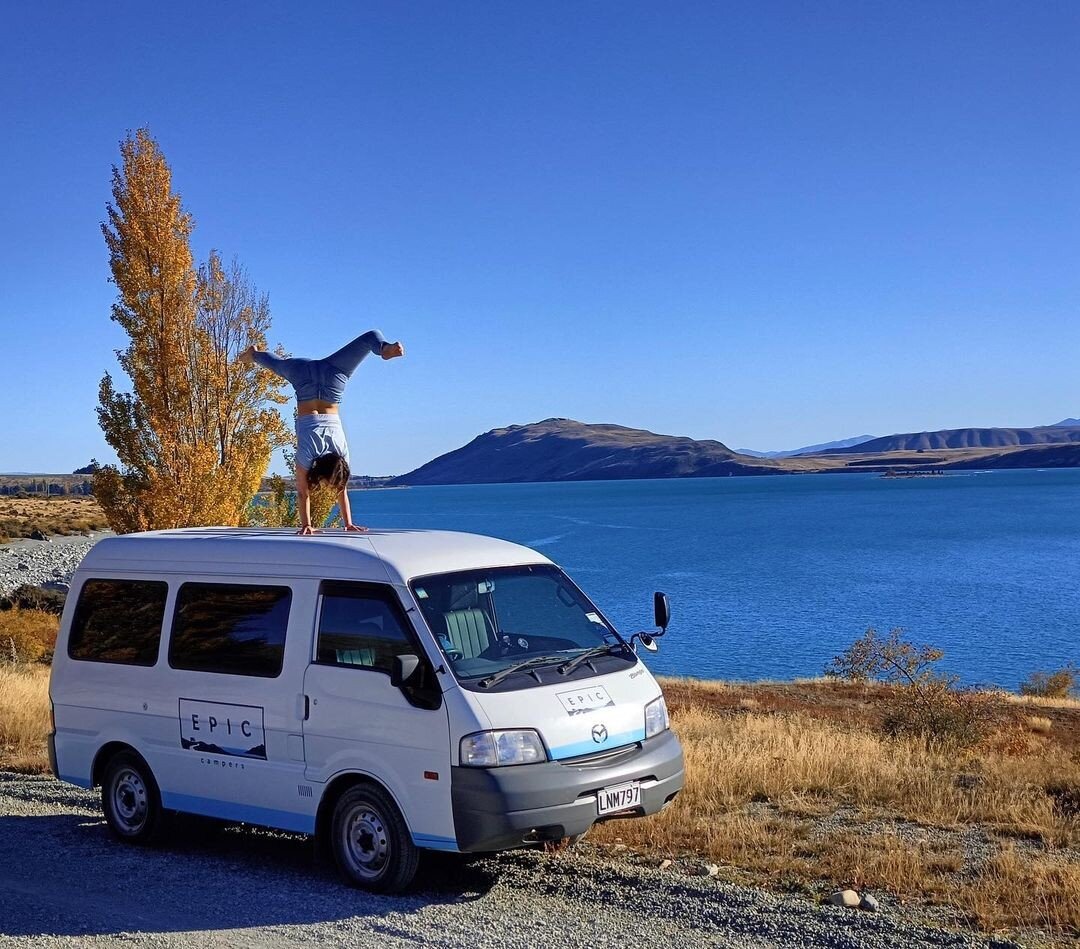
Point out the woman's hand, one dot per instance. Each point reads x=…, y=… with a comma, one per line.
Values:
x=248, y=355
x=308, y=530
x=392, y=350
x=356, y=528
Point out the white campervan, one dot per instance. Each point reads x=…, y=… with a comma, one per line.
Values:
x=390, y=691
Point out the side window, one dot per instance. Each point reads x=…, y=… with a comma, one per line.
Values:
x=118, y=621
x=232, y=628
x=360, y=627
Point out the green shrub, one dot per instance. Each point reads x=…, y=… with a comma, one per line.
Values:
x=28, y=597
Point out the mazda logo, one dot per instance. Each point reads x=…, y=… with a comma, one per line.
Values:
x=599, y=734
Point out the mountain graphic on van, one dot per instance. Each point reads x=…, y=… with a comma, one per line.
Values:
x=257, y=751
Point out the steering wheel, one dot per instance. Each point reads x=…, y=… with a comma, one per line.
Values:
x=507, y=645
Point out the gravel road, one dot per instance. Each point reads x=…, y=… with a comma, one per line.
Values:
x=65, y=882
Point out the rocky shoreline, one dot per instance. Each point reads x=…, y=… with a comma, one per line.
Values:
x=49, y=563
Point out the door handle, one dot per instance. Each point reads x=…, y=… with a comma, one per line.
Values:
x=303, y=707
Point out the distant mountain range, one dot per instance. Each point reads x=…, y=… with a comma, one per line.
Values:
x=967, y=438
x=559, y=449
x=807, y=449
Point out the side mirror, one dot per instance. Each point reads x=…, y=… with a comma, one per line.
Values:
x=661, y=611
x=404, y=671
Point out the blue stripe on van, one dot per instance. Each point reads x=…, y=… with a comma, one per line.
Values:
x=432, y=842
x=585, y=747
x=246, y=813
x=78, y=782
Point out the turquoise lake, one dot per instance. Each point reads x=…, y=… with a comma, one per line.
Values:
x=770, y=577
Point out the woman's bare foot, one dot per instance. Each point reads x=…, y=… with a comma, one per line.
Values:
x=392, y=350
x=308, y=531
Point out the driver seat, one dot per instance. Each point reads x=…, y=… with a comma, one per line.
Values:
x=468, y=631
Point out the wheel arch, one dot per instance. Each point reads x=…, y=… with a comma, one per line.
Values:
x=106, y=753
x=336, y=787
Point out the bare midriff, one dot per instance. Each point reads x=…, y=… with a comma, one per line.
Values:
x=316, y=407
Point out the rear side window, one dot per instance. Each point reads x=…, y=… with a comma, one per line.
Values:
x=118, y=621
x=360, y=627
x=238, y=629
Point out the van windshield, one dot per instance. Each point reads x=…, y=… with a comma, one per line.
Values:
x=489, y=621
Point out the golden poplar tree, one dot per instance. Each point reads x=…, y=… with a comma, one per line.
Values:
x=196, y=432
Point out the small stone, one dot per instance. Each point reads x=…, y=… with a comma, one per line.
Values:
x=23, y=565
x=848, y=899
x=869, y=904
x=36, y=534
x=618, y=847
x=664, y=864
x=704, y=870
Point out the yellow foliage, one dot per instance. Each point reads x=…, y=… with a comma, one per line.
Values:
x=27, y=635
x=196, y=433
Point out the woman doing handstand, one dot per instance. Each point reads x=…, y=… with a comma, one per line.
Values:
x=322, y=454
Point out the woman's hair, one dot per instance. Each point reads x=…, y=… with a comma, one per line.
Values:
x=331, y=470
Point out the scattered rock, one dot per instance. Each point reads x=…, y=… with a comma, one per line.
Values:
x=664, y=864
x=704, y=870
x=617, y=847
x=869, y=904
x=23, y=565
x=36, y=534
x=56, y=585
x=849, y=899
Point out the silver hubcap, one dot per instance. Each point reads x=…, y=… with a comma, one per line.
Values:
x=366, y=845
x=129, y=800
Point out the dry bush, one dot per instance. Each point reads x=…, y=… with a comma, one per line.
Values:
x=24, y=717
x=27, y=635
x=923, y=701
x=1060, y=684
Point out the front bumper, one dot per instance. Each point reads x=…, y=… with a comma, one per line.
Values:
x=501, y=808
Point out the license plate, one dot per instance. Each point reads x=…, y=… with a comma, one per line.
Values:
x=618, y=798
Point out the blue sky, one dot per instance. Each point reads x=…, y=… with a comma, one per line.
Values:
x=767, y=223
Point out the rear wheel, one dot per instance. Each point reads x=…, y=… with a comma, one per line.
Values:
x=131, y=800
x=371, y=842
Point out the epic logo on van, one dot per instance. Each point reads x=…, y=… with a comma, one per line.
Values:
x=581, y=701
x=218, y=728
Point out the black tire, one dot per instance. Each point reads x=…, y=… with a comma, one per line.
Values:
x=371, y=842
x=131, y=800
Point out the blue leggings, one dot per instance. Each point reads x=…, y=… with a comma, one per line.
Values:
x=323, y=379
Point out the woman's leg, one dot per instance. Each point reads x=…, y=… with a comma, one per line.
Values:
x=352, y=354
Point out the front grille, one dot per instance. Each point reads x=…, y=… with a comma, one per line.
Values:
x=606, y=757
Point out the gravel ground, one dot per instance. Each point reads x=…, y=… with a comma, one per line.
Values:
x=43, y=561
x=65, y=882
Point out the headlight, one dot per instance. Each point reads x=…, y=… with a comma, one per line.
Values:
x=491, y=749
x=656, y=717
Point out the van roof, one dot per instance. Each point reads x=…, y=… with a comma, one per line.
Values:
x=394, y=555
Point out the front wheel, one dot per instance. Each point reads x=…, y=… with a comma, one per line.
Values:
x=131, y=801
x=371, y=842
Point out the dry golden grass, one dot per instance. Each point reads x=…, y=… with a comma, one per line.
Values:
x=27, y=635
x=61, y=514
x=1039, y=724
x=24, y=717
x=805, y=800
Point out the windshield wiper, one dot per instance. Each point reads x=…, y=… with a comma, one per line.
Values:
x=496, y=677
x=603, y=650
